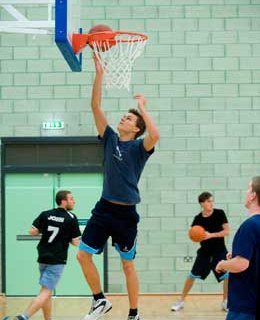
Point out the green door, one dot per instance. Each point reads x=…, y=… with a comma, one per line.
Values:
x=26, y=195
x=86, y=189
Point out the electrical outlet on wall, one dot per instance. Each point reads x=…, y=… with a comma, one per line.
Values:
x=187, y=259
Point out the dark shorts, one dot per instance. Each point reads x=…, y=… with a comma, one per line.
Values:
x=205, y=263
x=111, y=220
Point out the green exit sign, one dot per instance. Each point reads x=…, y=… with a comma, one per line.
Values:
x=53, y=124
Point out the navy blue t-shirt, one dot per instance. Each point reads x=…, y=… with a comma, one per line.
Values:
x=123, y=164
x=244, y=286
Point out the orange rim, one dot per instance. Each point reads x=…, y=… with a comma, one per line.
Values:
x=80, y=41
x=110, y=36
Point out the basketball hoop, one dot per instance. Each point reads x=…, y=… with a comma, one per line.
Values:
x=116, y=52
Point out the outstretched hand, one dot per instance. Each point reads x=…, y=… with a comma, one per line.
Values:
x=141, y=102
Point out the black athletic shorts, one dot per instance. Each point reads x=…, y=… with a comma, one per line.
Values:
x=111, y=220
x=205, y=262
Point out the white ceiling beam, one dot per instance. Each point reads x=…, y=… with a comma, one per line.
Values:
x=21, y=24
x=14, y=12
x=27, y=1
x=27, y=24
x=25, y=30
x=49, y=12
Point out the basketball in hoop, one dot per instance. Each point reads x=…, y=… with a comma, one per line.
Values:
x=101, y=34
x=115, y=50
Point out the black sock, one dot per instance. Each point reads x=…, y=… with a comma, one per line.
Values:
x=133, y=312
x=99, y=296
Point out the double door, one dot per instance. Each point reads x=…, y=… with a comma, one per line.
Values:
x=26, y=195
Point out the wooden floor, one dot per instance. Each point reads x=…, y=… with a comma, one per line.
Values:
x=152, y=307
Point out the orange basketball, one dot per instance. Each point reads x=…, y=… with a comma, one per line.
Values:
x=105, y=45
x=100, y=28
x=197, y=233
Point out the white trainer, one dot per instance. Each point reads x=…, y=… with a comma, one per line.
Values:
x=224, y=305
x=98, y=309
x=178, y=305
x=137, y=317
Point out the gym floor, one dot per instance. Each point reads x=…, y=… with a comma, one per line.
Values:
x=152, y=307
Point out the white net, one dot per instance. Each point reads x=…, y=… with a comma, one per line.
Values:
x=117, y=60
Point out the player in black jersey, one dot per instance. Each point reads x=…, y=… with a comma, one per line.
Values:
x=58, y=228
x=212, y=248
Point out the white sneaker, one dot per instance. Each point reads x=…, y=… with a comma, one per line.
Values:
x=224, y=305
x=178, y=305
x=137, y=317
x=98, y=309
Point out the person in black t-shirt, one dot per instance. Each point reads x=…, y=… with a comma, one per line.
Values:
x=58, y=228
x=212, y=248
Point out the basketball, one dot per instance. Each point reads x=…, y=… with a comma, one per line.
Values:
x=197, y=233
x=100, y=28
x=103, y=44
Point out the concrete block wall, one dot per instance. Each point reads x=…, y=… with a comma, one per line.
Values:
x=201, y=75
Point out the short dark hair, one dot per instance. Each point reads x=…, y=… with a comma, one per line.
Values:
x=256, y=187
x=204, y=196
x=139, y=122
x=61, y=195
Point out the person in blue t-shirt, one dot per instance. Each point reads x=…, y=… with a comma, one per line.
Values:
x=244, y=261
x=115, y=215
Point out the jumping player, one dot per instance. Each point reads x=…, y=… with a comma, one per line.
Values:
x=115, y=213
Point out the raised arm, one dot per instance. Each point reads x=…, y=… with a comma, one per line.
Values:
x=99, y=116
x=152, y=135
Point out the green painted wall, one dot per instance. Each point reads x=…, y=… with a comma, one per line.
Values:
x=201, y=74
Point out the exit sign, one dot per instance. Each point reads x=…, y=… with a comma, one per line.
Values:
x=53, y=125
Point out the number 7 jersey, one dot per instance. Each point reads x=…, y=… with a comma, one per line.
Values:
x=58, y=227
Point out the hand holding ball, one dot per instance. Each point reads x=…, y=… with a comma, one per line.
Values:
x=103, y=37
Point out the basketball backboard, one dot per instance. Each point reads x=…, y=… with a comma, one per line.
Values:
x=67, y=21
